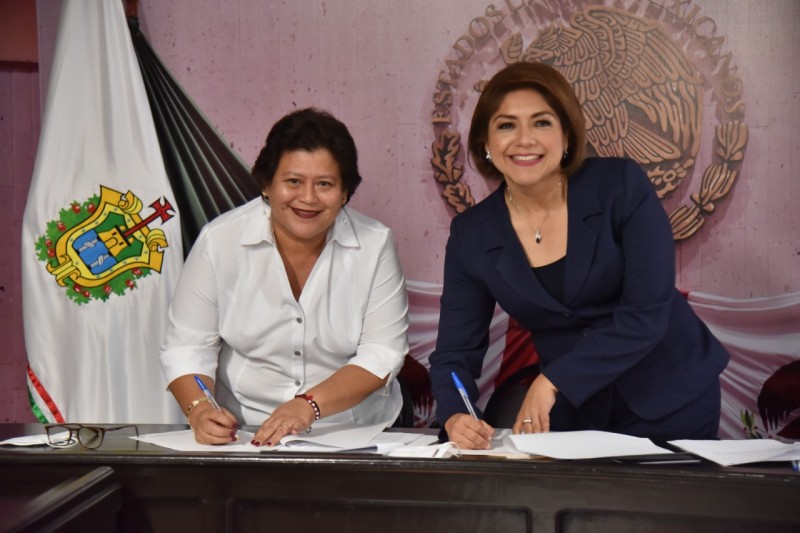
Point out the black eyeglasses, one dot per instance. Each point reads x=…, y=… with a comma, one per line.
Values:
x=65, y=435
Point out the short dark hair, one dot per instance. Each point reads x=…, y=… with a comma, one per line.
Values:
x=556, y=91
x=309, y=129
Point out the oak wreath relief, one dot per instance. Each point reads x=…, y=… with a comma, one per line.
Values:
x=640, y=73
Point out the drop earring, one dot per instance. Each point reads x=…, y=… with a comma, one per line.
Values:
x=265, y=198
x=564, y=157
x=488, y=157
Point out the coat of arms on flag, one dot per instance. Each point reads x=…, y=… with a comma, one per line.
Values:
x=103, y=246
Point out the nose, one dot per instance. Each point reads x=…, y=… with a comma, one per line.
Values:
x=308, y=193
x=526, y=135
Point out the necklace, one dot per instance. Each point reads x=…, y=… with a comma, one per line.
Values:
x=538, y=237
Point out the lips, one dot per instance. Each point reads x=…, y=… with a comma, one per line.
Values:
x=527, y=158
x=303, y=213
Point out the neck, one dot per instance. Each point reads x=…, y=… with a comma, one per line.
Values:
x=544, y=197
x=292, y=247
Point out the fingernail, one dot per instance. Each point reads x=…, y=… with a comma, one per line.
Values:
x=234, y=438
x=233, y=434
x=268, y=443
x=254, y=442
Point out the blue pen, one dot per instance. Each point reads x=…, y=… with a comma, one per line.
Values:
x=796, y=466
x=207, y=393
x=463, y=392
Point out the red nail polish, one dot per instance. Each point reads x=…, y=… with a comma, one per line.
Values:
x=255, y=442
x=268, y=443
x=233, y=434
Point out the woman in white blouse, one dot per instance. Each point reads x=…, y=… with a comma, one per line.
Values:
x=290, y=308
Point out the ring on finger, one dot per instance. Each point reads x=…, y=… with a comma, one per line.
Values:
x=527, y=421
x=285, y=426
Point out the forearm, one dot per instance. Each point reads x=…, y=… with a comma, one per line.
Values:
x=185, y=389
x=345, y=388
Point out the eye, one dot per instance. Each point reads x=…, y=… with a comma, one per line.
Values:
x=505, y=125
x=543, y=123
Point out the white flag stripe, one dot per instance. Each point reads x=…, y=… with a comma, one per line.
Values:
x=95, y=355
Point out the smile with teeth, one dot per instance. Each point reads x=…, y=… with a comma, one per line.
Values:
x=527, y=157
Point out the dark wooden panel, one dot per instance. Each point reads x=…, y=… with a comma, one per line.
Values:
x=577, y=521
x=89, y=502
x=370, y=516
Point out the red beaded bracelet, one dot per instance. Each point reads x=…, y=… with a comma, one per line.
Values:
x=311, y=402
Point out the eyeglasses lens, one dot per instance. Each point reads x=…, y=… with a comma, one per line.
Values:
x=90, y=437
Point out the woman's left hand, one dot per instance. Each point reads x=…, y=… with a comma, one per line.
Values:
x=534, y=415
x=292, y=417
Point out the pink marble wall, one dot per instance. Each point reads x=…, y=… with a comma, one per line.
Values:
x=375, y=65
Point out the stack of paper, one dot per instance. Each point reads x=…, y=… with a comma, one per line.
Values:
x=582, y=444
x=737, y=452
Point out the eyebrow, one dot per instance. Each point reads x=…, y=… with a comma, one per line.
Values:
x=293, y=174
x=514, y=117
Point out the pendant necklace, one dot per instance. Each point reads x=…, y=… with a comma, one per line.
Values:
x=538, y=237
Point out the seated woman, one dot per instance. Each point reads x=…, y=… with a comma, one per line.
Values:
x=292, y=307
x=580, y=252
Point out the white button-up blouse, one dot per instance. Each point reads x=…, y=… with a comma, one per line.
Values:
x=234, y=316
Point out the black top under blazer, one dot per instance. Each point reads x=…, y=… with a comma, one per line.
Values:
x=622, y=321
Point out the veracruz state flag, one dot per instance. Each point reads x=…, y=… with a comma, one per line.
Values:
x=101, y=243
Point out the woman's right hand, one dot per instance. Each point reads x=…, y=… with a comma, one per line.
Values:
x=469, y=433
x=211, y=426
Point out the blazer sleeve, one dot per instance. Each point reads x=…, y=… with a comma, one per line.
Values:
x=466, y=311
x=609, y=347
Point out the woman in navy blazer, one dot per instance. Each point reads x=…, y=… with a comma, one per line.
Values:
x=579, y=251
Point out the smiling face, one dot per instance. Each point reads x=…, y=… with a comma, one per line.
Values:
x=305, y=196
x=526, y=140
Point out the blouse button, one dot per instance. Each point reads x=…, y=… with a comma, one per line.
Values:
x=299, y=320
x=297, y=382
x=297, y=353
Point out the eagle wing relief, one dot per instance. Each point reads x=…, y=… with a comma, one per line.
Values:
x=640, y=95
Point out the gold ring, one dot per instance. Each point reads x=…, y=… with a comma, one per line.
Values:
x=527, y=421
x=285, y=426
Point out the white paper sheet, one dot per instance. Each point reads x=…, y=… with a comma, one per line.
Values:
x=334, y=438
x=323, y=438
x=582, y=444
x=499, y=447
x=36, y=440
x=183, y=441
x=737, y=452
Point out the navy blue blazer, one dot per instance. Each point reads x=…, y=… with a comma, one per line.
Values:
x=622, y=322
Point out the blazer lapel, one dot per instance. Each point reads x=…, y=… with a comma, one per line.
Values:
x=583, y=203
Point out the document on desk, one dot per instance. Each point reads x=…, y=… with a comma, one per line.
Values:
x=582, y=445
x=500, y=447
x=737, y=452
x=183, y=441
x=348, y=438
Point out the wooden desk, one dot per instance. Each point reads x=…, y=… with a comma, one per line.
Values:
x=177, y=491
x=57, y=500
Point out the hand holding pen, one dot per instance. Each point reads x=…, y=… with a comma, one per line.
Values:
x=223, y=425
x=468, y=432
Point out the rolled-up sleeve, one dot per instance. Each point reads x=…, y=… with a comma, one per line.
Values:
x=192, y=341
x=383, y=344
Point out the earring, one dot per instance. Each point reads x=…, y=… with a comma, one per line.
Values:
x=565, y=154
x=488, y=157
x=265, y=198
